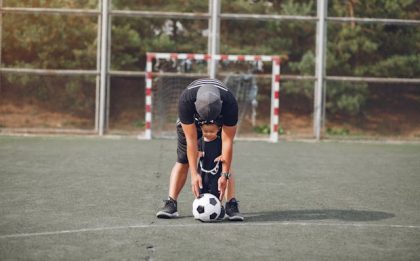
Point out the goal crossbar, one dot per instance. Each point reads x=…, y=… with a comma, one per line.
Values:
x=275, y=82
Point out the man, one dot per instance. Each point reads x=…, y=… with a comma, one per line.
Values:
x=203, y=101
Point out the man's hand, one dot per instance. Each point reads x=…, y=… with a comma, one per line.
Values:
x=221, y=186
x=196, y=184
x=219, y=159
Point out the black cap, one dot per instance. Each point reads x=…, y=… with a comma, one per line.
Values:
x=208, y=103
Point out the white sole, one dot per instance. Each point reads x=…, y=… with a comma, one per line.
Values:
x=162, y=214
x=235, y=218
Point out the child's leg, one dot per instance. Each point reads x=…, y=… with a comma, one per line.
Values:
x=215, y=192
x=205, y=183
x=213, y=185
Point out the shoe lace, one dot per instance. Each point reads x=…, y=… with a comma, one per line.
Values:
x=168, y=202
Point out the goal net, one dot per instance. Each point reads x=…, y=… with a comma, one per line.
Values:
x=257, y=93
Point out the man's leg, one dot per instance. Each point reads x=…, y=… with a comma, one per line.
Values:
x=230, y=188
x=179, y=172
x=232, y=208
x=178, y=178
x=176, y=182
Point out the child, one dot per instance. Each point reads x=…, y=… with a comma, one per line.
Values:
x=209, y=164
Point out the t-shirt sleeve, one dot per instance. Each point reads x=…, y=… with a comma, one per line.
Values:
x=230, y=110
x=186, y=108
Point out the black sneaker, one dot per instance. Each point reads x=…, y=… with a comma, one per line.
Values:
x=169, y=209
x=232, y=210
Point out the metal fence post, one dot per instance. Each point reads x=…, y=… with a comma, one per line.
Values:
x=108, y=66
x=1, y=30
x=103, y=67
x=214, y=34
x=98, y=68
x=321, y=42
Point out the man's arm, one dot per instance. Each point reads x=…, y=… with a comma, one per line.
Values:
x=228, y=134
x=190, y=131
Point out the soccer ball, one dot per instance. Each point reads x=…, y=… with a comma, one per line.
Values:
x=206, y=207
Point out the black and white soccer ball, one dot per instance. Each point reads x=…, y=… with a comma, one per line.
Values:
x=206, y=207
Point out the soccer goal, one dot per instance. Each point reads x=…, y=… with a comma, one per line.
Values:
x=257, y=92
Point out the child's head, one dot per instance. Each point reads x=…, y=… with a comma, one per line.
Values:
x=210, y=130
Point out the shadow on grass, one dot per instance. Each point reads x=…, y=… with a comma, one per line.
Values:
x=317, y=214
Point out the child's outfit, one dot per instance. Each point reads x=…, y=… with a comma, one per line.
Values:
x=209, y=170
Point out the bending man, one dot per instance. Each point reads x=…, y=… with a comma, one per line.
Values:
x=203, y=101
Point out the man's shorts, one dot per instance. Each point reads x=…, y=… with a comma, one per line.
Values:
x=181, y=149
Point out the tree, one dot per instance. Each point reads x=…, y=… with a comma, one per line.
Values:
x=69, y=42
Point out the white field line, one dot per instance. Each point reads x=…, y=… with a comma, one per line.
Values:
x=199, y=224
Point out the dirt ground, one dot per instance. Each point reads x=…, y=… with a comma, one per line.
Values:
x=386, y=114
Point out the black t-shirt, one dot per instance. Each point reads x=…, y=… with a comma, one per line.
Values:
x=186, y=106
x=212, y=150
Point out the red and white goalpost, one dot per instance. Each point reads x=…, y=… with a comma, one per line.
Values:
x=275, y=82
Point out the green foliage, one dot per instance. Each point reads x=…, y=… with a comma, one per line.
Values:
x=344, y=97
x=138, y=124
x=265, y=129
x=70, y=42
x=262, y=129
x=306, y=66
x=338, y=131
x=161, y=5
x=292, y=7
x=51, y=3
x=37, y=42
x=126, y=42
